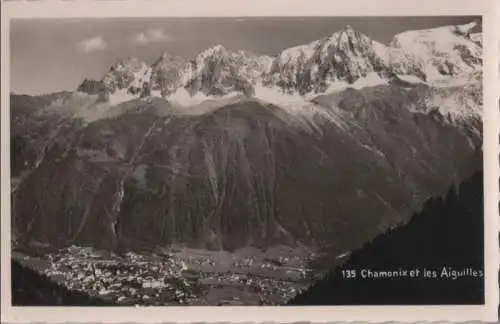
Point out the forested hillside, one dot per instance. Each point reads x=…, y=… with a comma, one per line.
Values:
x=448, y=232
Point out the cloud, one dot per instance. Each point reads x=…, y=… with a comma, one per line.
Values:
x=152, y=36
x=92, y=44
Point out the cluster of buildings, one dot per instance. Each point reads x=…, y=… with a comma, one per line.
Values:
x=134, y=279
x=128, y=280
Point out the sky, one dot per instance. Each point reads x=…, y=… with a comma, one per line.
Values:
x=49, y=55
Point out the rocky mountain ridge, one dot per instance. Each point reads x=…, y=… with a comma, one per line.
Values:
x=341, y=59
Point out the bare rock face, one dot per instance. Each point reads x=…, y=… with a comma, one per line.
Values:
x=129, y=74
x=218, y=72
x=94, y=87
x=167, y=74
x=346, y=55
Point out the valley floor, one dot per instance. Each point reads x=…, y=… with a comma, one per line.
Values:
x=179, y=276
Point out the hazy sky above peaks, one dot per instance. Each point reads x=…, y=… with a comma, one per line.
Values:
x=57, y=54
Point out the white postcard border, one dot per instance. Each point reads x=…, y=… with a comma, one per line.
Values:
x=241, y=8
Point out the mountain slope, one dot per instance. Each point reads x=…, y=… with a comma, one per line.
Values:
x=184, y=178
x=446, y=233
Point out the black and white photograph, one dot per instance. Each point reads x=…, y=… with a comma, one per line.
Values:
x=246, y=161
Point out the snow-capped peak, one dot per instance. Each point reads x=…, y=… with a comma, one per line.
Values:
x=435, y=52
x=218, y=71
x=215, y=50
x=167, y=74
x=125, y=73
x=344, y=58
x=466, y=28
x=348, y=33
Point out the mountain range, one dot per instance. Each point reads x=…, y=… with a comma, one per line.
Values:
x=325, y=145
x=343, y=58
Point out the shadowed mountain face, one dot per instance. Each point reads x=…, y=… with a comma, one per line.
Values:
x=245, y=174
x=444, y=241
